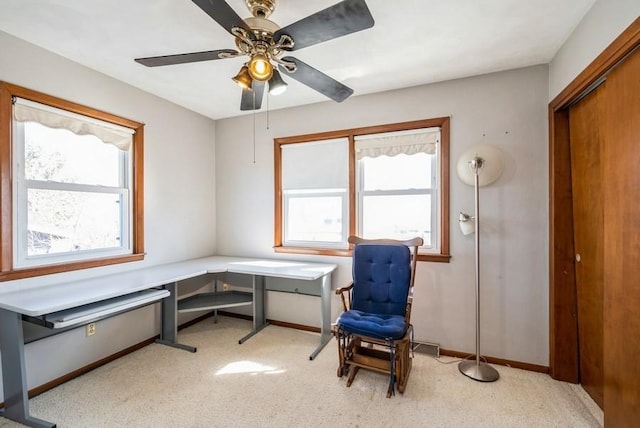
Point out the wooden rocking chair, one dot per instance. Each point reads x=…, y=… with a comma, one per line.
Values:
x=374, y=331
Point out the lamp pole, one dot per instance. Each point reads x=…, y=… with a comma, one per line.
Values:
x=477, y=370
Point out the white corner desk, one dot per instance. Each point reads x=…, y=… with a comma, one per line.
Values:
x=67, y=304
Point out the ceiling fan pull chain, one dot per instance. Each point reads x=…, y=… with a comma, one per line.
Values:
x=267, y=109
x=254, y=126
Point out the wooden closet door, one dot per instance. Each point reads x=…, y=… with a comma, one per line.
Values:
x=586, y=142
x=622, y=248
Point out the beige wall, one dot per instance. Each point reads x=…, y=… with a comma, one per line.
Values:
x=603, y=23
x=179, y=194
x=509, y=108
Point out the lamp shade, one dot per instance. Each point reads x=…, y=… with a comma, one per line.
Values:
x=491, y=167
x=467, y=224
x=276, y=84
x=260, y=68
x=243, y=79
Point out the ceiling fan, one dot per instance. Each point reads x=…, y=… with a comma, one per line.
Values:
x=265, y=43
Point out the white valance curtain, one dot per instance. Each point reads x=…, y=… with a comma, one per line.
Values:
x=52, y=117
x=395, y=143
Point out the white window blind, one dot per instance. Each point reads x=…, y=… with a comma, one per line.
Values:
x=52, y=117
x=317, y=165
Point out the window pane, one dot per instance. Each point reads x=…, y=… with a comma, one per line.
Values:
x=62, y=156
x=398, y=172
x=397, y=217
x=314, y=219
x=63, y=221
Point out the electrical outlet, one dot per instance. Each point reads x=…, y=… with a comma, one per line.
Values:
x=91, y=329
x=225, y=287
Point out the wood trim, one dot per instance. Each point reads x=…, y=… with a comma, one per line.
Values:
x=7, y=272
x=272, y=322
x=444, y=123
x=138, y=190
x=83, y=370
x=277, y=197
x=447, y=352
x=60, y=103
x=294, y=326
x=352, y=187
x=445, y=132
x=313, y=251
x=500, y=361
x=563, y=341
x=376, y=129
x=89, y=367
x=68, y=267
x=103, y=361
x=6, y=200
x=437, y=258
x=621, y=46
x=563, y=331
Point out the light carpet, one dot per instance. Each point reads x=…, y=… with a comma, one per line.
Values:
x=269, y=381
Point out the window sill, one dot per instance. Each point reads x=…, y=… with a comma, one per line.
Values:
x=314, y=251
x=437, y=258
x=67, y=267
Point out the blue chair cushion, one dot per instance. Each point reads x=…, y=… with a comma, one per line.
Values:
x=377, y=326
x=381, y=278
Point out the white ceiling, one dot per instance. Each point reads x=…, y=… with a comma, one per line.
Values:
x=413, y=42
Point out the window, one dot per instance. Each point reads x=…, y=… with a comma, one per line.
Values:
x=71, y=186
x=389, y=181
x=396, y=185
x=314, y=188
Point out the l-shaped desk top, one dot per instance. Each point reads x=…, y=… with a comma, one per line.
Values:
x=44, y=298
x=41, y=297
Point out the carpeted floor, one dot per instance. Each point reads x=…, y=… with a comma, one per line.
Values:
x=270, y=382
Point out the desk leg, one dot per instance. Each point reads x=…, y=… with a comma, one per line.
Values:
x=259, y=317
x=14, y=379
x=325, y=316
x=169, y=329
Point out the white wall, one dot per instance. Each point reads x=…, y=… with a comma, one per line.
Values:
x=603, y=23
x=179, y=174
x=509, y=108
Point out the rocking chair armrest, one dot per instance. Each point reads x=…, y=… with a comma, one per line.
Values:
x=345, y=291
x=407, y=315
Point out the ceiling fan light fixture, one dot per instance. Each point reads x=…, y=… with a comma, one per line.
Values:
x=243, y=78
x=260, y=68
x=277, y=85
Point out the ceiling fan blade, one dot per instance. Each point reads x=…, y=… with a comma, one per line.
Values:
x=223, y=14
x=247, y=100
x=155, y=61
x=317, y=80
x=346, y=17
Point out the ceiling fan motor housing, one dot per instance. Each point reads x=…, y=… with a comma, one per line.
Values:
x=261, y=8
x=262, y=27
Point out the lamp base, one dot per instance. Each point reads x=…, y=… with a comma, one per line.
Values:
x=482, y=372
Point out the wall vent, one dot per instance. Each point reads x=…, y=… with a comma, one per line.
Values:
x=432, y=349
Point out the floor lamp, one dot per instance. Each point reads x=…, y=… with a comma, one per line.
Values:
x=479, y=166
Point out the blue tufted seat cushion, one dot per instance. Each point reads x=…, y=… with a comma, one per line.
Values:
x=373, y=325
x=381, y=280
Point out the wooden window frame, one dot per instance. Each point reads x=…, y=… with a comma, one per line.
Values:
x=7, y=270
x=443, y=256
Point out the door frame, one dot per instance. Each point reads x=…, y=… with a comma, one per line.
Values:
x=563, y=326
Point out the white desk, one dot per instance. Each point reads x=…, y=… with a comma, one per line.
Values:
x=37, y=301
